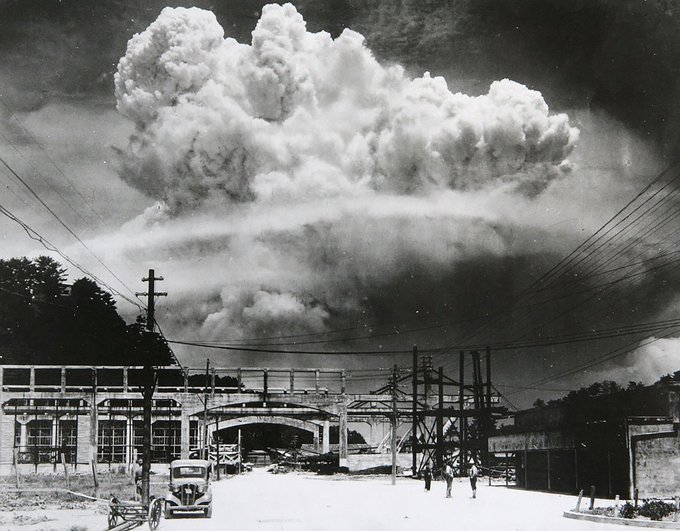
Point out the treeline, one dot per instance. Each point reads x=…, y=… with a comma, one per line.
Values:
x=604, y=388
x=43, y=320
x=594, y=390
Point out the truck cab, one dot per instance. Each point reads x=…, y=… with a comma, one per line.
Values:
x=189, y=489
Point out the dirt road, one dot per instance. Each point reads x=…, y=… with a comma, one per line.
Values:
x=259, y=501
x=300, y=502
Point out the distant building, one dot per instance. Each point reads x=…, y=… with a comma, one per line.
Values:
x=619, y=442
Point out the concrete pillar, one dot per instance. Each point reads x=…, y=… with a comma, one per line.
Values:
x=23, y=433
x=342, y=435
x=94, y=431
x=210, y=431
x=373, y=437
x=184, y=431
x=674, y=406
x=84, y=447
x=5, y=450
x=129, y=439
x=326, y=437
x=316, y=438
x=55, y=432
x=6, y=441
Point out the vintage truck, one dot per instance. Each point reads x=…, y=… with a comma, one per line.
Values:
x=189, y=490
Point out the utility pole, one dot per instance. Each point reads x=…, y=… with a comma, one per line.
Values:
x=205, y=452
x=394, y=426
x=149, y=376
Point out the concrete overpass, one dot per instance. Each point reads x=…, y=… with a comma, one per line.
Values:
x=94, y=414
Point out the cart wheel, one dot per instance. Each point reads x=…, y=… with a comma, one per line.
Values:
x=155, y=510
x=113, y=519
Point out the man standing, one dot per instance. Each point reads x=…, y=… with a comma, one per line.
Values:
x=138, y=479
x=427, y=476
x=473, y=479
x=448, y=477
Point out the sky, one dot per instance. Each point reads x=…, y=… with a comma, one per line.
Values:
x=351, y=176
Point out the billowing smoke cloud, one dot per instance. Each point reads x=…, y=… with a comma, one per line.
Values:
x=654, y=358
x=308, y=175
x=298, y=113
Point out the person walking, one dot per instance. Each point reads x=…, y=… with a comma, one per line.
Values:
x=448, y=477
x=473, y=479
x=427, y=476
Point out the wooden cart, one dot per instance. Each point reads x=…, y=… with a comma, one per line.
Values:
x=129, y=514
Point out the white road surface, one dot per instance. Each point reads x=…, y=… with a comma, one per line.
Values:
x=260, y=501
x=305, y=502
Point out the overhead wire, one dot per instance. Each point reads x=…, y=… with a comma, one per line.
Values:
x=36, y=236
x=610, y=355
x=45, y=180
x=63, y=224
x=558, y=271
x=51, y=160
x=558, y=268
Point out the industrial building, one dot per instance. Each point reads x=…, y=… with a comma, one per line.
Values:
x=623, y=443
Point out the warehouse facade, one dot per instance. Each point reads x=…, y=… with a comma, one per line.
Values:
x=619, y=443
x=89, y=416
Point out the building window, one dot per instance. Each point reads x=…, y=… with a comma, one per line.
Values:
x=138, y=437
x=111, y=441
x=194, y=435
x=17, y=434
x=166, y=441
x=68, y=439
x=39, y=442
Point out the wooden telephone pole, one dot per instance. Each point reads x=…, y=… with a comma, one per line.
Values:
x=149, y=376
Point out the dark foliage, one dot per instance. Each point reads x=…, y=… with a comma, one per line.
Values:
x=594, y=390
x=656, y=509
x=668, y=378
x=653, y=509
x=628, y=510
x=353, y=437
x=44, y=321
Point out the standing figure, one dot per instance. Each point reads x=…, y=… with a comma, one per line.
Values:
x=138, y=479
x=427, y=476
x=448, y=476
x=473, y=479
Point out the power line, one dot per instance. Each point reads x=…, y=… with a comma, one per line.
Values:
x=568, y=261
x=63, y=224
x=36, y=236
x=604, y=358
x=47, y=155
x=45, y=180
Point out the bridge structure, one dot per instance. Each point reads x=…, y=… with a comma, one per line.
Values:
x=87, y=415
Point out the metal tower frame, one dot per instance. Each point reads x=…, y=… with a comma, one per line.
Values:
x=450, y=430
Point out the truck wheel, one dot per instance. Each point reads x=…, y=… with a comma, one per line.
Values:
x=208, y=512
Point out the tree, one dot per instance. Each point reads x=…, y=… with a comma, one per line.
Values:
x=42, y=321
x=539, y=402
x=668, y=378
x=31, y=293
x=353, y=437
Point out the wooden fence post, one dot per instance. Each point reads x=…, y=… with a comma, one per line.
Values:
x=592, y=497
x=16, y=465
x=578, y=502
